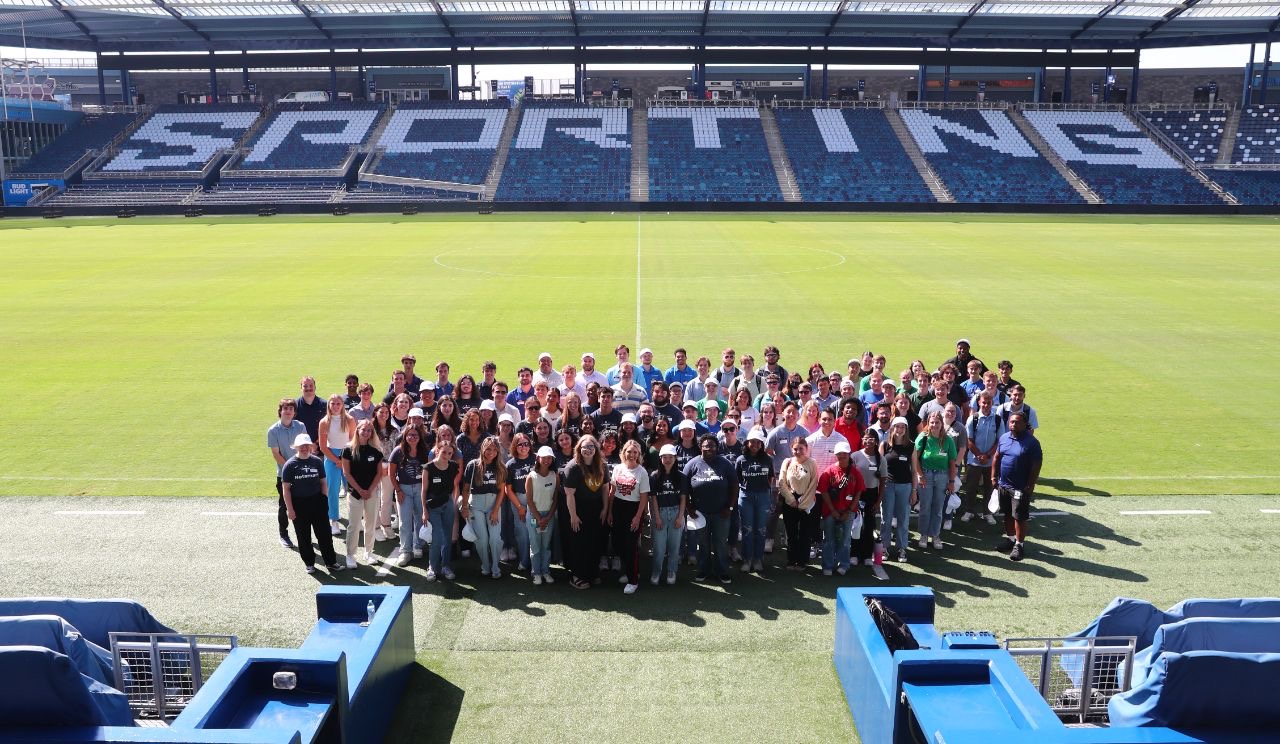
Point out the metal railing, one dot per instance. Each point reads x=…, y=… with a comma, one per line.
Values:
x=1076, y=676
x=1219, y=106
x=232, y=167
x=1029, y=106
x=161, y=672
x=953, y=105
x=816, y=103
x=702, y=103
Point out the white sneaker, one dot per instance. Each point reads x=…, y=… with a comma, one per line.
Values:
x=630, y=588
x=448, y=574
x=431, y=575
x=381, y=535
x=547, y=578
x=497, y=573
x=937, y=543
x=537, y=580
x=671, y=578
x=946, y=524
x=655, y=579
x=417, y=553
x=617, y=563
x=902, y=556
x=768, y=545
x=990, y=519
x=369, y=558
x=351, y=561
x=335, y=528
x=924, y=542
x=403, y=560
x=622, y=579
x=966, y=517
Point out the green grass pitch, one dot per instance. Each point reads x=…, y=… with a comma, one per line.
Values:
x=145, y=357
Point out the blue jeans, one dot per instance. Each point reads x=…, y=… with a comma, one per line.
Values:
x=441, y=548
x=933, y=499
x=754, y=507
x=522, y=539
x=714, y=538
x=410, y=511
x=488, y=536
x=666, y=541
x=333, y=478
x=836, y=534
x=540, y=543
x=896, y=505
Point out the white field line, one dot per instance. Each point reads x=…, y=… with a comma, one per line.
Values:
x=99, y=513
x=1164, y=477
x=638, y=346
x=1270, y=511
x=1166, y=512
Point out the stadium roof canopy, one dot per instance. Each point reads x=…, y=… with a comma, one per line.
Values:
x=269, y=25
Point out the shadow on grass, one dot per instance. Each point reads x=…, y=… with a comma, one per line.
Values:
x=1065, y=485
x=428, y=711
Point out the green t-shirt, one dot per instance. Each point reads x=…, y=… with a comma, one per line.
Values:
x=934, y=454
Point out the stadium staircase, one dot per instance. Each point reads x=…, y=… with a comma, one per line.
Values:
x=268, y=112
x=778, y=155
x=1228, y=146
x=1177, y=153
x=639, y=153
x=931, y=180
x=500, y=158
x=1060, y=165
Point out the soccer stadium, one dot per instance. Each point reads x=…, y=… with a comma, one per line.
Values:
x=639, y=370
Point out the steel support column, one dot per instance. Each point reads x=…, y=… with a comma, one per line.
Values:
x=213, y=80
x=1246, y=98
x=946, y=83
x=102, y=83
x=1133, y=86
x=125, y=98
x=825, y=95
x=1266, y=72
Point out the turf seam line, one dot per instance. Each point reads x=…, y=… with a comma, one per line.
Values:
x=99, y=513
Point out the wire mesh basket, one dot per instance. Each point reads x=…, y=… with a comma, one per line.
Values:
x=161, y=672
x=1077, y=677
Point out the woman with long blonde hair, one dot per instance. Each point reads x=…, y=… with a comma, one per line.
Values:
x=336, y=431
x=584, y=486
x=481, y=506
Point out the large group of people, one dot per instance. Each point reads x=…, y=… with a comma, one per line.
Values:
x=597, y=471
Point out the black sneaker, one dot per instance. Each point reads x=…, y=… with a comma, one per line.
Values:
x=285, y=542
x=1016, y=553
x=700, y=577
x=1006, y=544
x=726, y=579
x=336, y=567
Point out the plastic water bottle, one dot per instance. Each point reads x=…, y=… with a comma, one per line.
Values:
x=370, y=608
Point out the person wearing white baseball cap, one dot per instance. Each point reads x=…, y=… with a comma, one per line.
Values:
x=667, y=513
x=686, y=443
x=540, y=488
x=840, y=486
x=303, y=484
x=546, y=371
x=646, y=373
x=756, y=478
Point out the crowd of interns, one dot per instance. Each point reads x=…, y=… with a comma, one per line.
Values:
x=635, y=470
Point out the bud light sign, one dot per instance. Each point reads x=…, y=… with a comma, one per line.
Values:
x=18, y=193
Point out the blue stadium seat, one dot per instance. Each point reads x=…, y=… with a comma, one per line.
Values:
x=848, y=155
x=311, y=136
x=569, y=152
x=709, y=154
x=1256, y=188
x=1197, y=133
x=181, y=138
x=441, y=143
x=982, y=158
x=1115, y=157
x=93, y=132
x=1258, y=138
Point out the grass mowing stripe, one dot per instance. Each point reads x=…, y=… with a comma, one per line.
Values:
x=1166, y=512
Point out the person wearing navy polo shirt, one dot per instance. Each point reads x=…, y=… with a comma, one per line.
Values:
x=412, y=382
x=1015, y=469
x=310, y=408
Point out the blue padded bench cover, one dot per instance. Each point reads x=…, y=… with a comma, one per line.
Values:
x=1236, y=635
x=96, y=619
x=56, y=634
x=54, y=694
